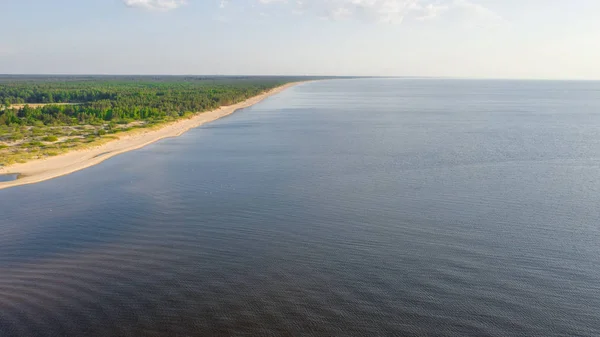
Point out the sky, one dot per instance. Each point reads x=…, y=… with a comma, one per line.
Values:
x=532, y=39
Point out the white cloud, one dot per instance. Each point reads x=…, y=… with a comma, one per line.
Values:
x=370, y=10
x=160, y=5
x=389, y=11
x=432, y=11
x=479, y=14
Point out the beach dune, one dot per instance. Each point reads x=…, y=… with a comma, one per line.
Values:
x=44, y=169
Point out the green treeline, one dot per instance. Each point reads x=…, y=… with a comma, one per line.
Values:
x=95, y=100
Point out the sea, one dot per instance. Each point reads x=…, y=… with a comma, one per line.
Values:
x=350, y=207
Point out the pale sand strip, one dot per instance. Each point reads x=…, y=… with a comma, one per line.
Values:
x=44, y=169
x=36, y=105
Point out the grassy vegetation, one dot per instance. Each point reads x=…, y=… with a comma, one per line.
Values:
x=23, y=143
x=80, y=112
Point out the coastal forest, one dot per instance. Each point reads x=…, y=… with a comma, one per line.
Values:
x=47, y=115
x=74, y=101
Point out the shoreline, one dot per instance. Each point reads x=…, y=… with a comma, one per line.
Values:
x=39, y=170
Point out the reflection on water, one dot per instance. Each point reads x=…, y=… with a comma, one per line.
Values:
x=337, y=208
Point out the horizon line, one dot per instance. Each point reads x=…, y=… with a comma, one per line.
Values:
x=308, y=76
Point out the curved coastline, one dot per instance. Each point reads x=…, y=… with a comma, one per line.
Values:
x=39, y=170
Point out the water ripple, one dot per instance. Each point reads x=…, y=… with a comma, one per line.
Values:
x=338, y=208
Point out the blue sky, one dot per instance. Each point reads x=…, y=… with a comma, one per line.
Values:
x=553, y=39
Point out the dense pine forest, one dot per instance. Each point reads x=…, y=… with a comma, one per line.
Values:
x=120, y=99
x=44, y=116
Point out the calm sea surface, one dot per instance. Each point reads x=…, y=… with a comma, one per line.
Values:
x=345, y=207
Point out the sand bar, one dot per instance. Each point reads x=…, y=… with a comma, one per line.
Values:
x=44, y=169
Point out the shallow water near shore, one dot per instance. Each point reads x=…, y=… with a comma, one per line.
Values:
x=347, y=207
x=9, y=177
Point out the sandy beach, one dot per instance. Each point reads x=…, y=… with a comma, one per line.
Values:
x=44, y=169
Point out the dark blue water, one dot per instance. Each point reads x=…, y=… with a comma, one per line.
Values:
x=346, y=208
